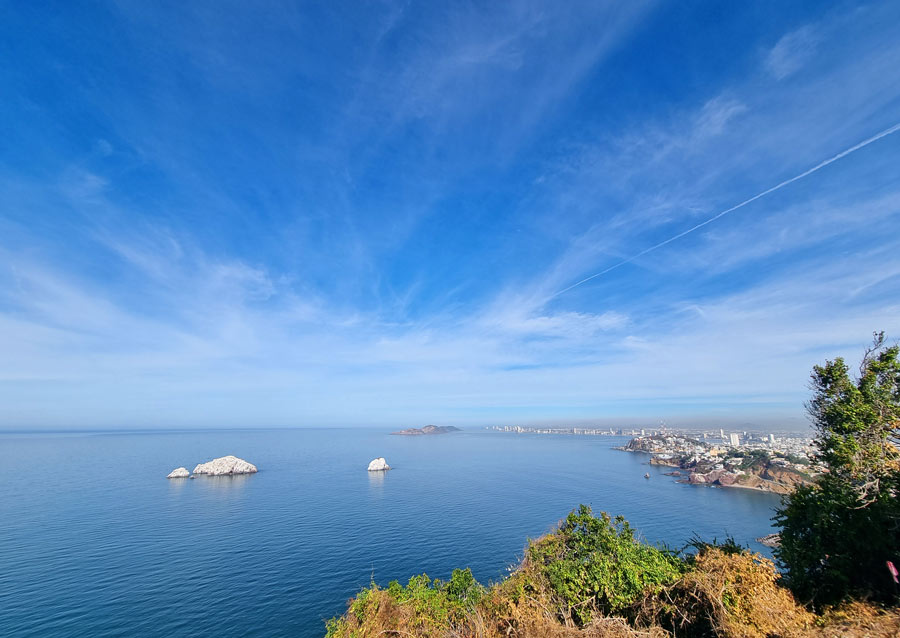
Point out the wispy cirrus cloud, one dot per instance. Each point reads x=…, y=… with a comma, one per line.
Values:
x=792, y=52
x=656, y=180
x=379, y=239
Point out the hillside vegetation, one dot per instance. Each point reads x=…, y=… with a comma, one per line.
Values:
x=593, y=579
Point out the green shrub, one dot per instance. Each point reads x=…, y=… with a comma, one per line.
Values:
x=425, y=603
x=463, y=588
x=729, y=547
x=596, y=565
x=837, y=534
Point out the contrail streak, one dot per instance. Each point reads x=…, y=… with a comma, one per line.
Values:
x=845, y=153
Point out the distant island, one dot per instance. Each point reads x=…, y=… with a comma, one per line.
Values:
x=428, y=429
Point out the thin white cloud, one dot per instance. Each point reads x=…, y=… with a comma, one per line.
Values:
x=715, y=116
x=513, y=322
x=792, y=52
x=844, y=153
x=753, y=347
x=189, y=335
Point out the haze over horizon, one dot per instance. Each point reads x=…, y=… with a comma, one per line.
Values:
x=231, y=214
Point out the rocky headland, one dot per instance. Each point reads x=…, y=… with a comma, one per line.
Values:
x=762, y=478
x=702, y=464
x=428, y=429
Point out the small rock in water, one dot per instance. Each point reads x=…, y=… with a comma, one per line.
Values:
x=179, y=472
x=378, y=465
x=770, y=540
x=225, y=465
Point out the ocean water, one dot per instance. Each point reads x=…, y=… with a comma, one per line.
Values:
x=95, y=541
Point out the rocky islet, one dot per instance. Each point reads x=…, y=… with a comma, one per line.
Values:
x=378, y=465
x=222, y=466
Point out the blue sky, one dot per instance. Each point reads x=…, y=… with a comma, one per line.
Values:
x=278, y=214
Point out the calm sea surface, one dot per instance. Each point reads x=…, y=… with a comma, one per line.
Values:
x=94, y=541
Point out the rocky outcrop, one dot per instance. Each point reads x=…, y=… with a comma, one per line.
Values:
x=755, y=482
x=378, y=465
x=770, y=540
x=712, y=478
x=179, y=472
x=226, y=465
x=724, y=478
x=785, y=477
x=428, y=429
x=727, y=478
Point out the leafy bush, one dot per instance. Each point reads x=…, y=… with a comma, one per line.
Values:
x=425, y=605
x=568, y=580
x=837, y=534
x=834, y=548
x=729, y=547
x=796, y=460
x=596, y=565
x=463, y=588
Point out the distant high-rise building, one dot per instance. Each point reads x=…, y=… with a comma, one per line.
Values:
x=735, y=439
x=772, y=439
x=642, y=431
x=722, y=434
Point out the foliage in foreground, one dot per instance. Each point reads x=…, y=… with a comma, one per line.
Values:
x=592, y=579
x=725, y=593
x=595, y=565
x=423, y=605
x=838, y=534
x=588, y=568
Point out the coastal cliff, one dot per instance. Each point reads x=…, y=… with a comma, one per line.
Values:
x=764, y=479
x=705, y=465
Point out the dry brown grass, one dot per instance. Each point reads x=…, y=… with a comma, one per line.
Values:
x=723, y=596
x=856, y=620
x=727, y=595
x=384, y=617
x=523, y=607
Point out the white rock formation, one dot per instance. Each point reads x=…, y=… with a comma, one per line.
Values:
x=378, y=465
x=179, y=472
x=225, y=465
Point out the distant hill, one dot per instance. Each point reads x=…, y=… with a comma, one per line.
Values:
x=428, y=429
